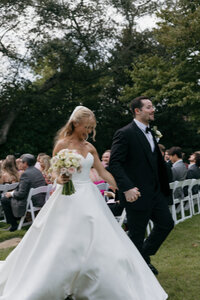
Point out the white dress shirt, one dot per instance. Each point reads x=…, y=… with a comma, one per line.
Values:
x=148, y=135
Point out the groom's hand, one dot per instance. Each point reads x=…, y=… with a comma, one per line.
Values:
x=132, y=194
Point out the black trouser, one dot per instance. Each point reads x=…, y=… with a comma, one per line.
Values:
x=137, y=222
x=6, y=205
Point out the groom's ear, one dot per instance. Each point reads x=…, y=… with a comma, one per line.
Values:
x=137, y=111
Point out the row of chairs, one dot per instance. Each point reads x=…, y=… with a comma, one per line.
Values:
x=30, y=208
x=186, y=203
x=186, y=199
x=3, y=189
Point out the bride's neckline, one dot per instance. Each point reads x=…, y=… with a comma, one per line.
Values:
x=80, y=153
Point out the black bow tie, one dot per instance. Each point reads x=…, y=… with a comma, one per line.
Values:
x=148, y=129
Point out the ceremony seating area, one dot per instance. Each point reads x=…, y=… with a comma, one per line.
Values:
x=30, y=208
x=186, y=205
x=189, y=204
x=3, y=189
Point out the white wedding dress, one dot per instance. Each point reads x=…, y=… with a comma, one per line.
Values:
x=76, y=247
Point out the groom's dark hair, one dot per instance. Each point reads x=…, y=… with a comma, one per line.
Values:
x=137, y=103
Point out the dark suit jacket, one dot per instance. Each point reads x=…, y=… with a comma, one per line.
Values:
x=31, y=178
x=131, y=164
x=194, y=173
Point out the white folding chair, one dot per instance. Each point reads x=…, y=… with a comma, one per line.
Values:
x=195, y=197
x=49, y=188
x=186, y=206
x=12, y=186
x=121, y=218
x=103, y=186
x=30, y=207
x=149, y=227
x=175, y=208
x=3, y=189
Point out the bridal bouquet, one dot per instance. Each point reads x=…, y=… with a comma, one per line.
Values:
x=66, y=162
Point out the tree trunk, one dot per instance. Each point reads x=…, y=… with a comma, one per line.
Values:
x=4, y=129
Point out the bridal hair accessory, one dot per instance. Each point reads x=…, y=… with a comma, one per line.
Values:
x=66, y=162
x=75, y=110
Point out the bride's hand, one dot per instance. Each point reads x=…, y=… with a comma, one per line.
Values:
x=62, y=179
x=132, y=194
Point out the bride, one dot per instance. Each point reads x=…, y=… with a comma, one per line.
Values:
x=75, y=247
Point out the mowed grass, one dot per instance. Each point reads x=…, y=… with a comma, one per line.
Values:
x=178, y=259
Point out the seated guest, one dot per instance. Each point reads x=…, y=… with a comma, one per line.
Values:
x=191, y=160
x=167, y=159
x=113, y=203
x=37, y=164
x=194, y=170
x=105, y=158
x=19, y=166
x=169, y=172
x=179, y=170
x=14, y=203
x=94, y=176
x=1, y=181
x=45, y=163
x=9, y=170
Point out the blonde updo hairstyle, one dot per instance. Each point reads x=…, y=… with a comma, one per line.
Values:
x=77, y=116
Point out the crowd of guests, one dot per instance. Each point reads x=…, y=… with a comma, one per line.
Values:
x=28, y=174
x=11, y=170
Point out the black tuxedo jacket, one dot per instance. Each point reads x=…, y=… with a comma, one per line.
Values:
x=31, y=178
x=133, y=164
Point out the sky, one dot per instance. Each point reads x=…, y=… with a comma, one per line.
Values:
x=19, y=44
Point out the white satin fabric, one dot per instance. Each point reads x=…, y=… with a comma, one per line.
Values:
x=76, y=247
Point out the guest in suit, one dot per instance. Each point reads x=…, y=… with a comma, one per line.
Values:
x=140, y=172
x=169, y=172
x=166, y=158
x=168, y=166
x=179, y=169
x=194, y=170
x=14, y=203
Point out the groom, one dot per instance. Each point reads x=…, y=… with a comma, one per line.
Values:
x=140, y=172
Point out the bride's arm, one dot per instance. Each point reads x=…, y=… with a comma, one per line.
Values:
x=103, y=173
x=61, y=144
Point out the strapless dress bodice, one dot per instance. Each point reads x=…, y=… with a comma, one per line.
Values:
x=86, y=164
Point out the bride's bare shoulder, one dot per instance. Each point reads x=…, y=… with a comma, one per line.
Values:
x=60, y=144
x=91, y=148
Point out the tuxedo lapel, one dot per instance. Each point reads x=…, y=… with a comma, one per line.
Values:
x=144, y=143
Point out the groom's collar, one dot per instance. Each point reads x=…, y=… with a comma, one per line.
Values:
x=140, y=125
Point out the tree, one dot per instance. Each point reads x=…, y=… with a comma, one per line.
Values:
x=171, y=76
x=69, y=57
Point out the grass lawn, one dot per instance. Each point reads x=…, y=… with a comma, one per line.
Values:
x=178, y=259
